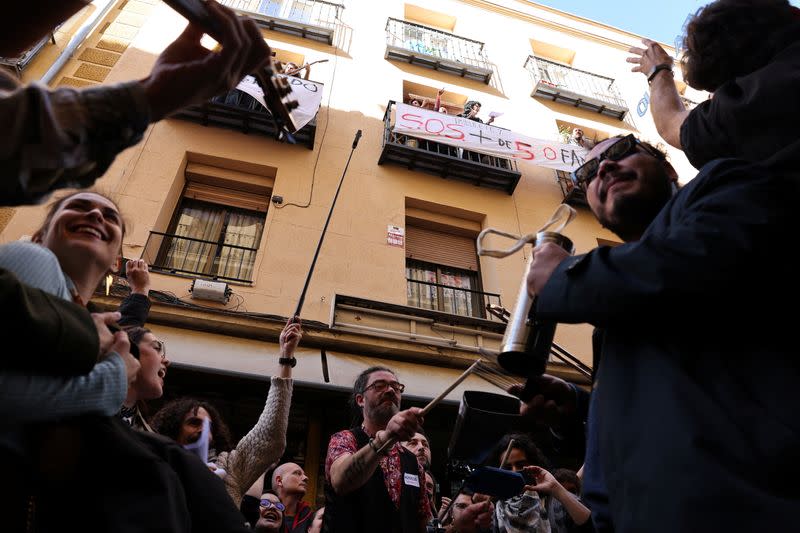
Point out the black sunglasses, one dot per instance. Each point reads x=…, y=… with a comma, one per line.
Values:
x=584, y=174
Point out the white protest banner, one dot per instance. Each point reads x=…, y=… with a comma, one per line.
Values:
x=307, y=93
x=486, y=139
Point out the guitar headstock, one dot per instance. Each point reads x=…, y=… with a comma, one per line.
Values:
x=276, y=94
x=276, y=89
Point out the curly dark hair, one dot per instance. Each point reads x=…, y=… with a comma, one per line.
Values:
x=169, y=420
x=524, y=443
x=731, y=38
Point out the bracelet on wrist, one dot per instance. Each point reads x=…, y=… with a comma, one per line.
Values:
x=291, y=361
x=658, y=68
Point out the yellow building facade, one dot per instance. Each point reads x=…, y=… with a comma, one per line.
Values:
x=212, y=195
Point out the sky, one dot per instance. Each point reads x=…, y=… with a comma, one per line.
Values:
x=658, y=20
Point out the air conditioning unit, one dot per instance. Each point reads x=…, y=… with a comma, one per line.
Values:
x=215, y=291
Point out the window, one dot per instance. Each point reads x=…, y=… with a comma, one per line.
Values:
x=215, y=232
x=429, y=287
x=442, y=272
x=270, y=8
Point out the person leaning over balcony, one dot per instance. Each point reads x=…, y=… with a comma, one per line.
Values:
x=56, y=138
x=182, y=421
x=471, y=110
x=747, y=52
x=291, y=69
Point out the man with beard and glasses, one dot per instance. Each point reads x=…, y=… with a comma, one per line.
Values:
x=692, y=401
x=270, y=514
x=369, y=488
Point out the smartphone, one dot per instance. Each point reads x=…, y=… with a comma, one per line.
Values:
x=495, y=482
x=196, y=11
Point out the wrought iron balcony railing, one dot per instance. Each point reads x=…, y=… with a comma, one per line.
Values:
x=240, y=111
x=573, y=195
x=436, y=49
x=449, y=162
x=167, y=252
x=18, y=64
x=572, y=86
x=452, y=300
x=310, y=19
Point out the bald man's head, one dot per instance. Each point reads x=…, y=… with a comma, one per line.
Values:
x=289, y=478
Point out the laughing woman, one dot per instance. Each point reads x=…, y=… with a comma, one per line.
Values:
x=76, y=246
x=149, y=382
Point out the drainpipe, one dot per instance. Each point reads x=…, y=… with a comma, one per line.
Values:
x=103, y=7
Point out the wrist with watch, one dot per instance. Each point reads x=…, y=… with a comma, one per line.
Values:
x=291, y=361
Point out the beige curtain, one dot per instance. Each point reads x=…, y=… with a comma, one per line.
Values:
x=243, y=230
x=204, y=224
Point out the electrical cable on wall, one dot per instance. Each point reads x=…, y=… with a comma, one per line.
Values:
x=322, y=140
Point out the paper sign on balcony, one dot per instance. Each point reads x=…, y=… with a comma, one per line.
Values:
x=395, y=236
x=307, y=93
x=485, y=139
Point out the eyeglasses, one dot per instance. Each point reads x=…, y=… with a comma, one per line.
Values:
x=266, y=504
x=584, y=174
x=381, y=385
x=160, y=348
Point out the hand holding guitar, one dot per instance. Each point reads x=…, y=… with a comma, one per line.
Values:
x=187, y=73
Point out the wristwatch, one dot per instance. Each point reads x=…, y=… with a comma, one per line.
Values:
x=291, y=361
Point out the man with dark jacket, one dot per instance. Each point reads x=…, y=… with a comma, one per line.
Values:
x=372, y=483
x=692, y=400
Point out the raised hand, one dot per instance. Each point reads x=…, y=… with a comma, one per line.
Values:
x=290, y=337
x=645, y=59
x=187, y=73
x=138, y=276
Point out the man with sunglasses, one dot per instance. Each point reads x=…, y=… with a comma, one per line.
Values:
x=368, y=486
x=693, y=400
x=270, y=514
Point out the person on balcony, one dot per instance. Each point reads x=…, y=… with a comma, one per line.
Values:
x=291, y=69
x=579, y=138
x=471, y=110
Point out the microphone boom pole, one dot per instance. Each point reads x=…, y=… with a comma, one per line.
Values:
x=325, y=228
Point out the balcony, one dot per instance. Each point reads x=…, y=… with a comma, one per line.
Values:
x=18, y=64
x=176, y=254
x=310, y=19
x=446, y=161
x=435, y=49
x=571, y=86
x=574, y=196
x=239, y=111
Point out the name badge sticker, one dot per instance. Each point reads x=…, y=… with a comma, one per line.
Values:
x=411, y=479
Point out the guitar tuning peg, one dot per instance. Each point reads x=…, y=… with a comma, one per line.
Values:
x=283, y=91
x=292, y=104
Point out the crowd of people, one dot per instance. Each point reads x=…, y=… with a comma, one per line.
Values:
x=688, y=426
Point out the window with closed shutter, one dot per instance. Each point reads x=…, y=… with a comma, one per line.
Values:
x=442, y=272
x=215, y=232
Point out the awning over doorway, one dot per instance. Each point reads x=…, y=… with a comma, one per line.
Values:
x=256, y=358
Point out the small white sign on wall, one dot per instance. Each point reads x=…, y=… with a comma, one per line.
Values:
x=395, y=236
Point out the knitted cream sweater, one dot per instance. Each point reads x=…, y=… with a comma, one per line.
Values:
x=262, y=446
